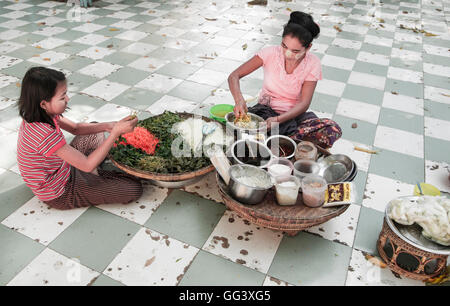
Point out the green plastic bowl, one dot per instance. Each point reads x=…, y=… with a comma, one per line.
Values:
x=219, y=111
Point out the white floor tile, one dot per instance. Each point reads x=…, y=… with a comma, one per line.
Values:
x=437, y=128
x=50, y=31
x=443, y=71
x=150, y=259
x=91, y=39
x=405, y=75
x=39, y=222
x=403, y=103
x=8, y=147
x=89, y=27
x=438, y=175
x=399, y=141
x=172, y=104
x=329, y=87
x=272, y=281
x=373, y=58
x=341, y=229
x=367, y=80
x=159, y=83
x=141, y=210
x=53, y=269
x=109, y=112
x=440, y=95
x=208, y=77
x=99, y=69
x=380, y=190
x=96, y=52
x=242, y=242
x=206, y=188
x=132, y=35
x=8, y=61
x=149, y=64
x=358, y=110
x=9, y=47
x=338, y=62
x=139, y=48
x=347, y=43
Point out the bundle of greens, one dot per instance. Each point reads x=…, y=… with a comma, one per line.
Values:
x=162, y=161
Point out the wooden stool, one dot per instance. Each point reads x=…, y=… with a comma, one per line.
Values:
x=392, y=248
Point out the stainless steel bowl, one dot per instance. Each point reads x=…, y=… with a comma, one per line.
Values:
x=413, y=233
x=336, y=168
x=261, y=126
x=238, y=152
x=245, y=193
x=274, y=142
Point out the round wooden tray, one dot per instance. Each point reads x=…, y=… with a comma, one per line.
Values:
x=269, y=214
x=167, y=177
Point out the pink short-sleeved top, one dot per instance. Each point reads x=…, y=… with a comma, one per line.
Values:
x=41, y=169
x=283, y=88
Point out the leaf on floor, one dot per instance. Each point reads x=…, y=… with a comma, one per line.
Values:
x=150, y=261
x=113, y=29
x=244, y=47
x=375, y=261
x=257, y=2
x=337, y=28
x=47, y=59
x=211, y=19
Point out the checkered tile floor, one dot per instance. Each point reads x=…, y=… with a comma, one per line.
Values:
x=380, y=73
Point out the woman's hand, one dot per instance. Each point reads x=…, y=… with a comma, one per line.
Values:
x=240, y=109
x=126, y=125
x=110, y=126
x=272, y=120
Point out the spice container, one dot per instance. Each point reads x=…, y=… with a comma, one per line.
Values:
x=305, y=167
x=280, y=167
x=306, y=150
x=286, y=188
x=313, y=187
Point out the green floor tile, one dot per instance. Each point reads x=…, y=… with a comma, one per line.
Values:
x=30, y=27
x=128, y=76
x=71, y=35
x=364, y=133
x=11, y=91
x=178, y=70
x=369, y=68
x=17, y=252
x=75, y=63
x=437, y=149
x=404, y=88
x=404, y=45
x=401, y=120
x=376, y=49
x=406, y=64
x=18, y=70
x=369, y=226
x=70, y=48
x=137, y=98
x=435, y=41
x=186, y=217
x=360, y=182
x=192, y=91
x=342, y=52
x=120, y=58
x=28, y=39
x=95, y=238
x=397, y=166
x=81, y=106
x=219, y=272
x=166, y=53
x=249, y=86
x=324, y=103
x=436, y=81
x=103, y=280
x=363, y=94
x=331, y=73
x=380, y=32
x=350, y=35
x=115, y=44
x=13, y=193
x=104, y=20
x=310, y=260
x=154, y=39
x=436, y=59
x=77, y=82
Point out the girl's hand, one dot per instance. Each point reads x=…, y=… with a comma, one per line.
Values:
x=110, y=126
x=272, y=120
x=126, y=125
x=240, y=109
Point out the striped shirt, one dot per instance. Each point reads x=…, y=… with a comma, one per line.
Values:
x=41, y=169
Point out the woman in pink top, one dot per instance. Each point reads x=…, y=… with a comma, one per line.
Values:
x=291, y=73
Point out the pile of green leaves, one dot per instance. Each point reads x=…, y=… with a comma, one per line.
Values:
x=162, y=161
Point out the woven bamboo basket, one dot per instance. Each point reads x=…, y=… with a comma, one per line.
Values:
x=167, y=177
x=429, y=265
x=269, y=214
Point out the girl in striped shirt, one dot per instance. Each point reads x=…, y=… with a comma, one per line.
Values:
x=61, y=175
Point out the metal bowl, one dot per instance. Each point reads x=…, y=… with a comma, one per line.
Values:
x=261, y=126
x=413, y=233
x=245, y=193
x=336, y=168
x=240, y=155
x=274, y=142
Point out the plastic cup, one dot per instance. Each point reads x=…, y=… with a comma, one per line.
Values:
x=286, y=189
x=280, y=161
x=304, y=167
x=313, y=188
x=219, y=111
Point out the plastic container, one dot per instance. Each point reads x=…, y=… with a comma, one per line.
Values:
x=313, y=187
x=304, y=167
x=219, y=111
x=275, y=170
x=306, y=150
x=286, y=189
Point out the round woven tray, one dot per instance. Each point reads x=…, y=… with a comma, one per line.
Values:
x=269, y=214
x=167, y=177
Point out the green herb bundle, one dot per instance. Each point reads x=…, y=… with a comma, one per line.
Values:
x=162, y=161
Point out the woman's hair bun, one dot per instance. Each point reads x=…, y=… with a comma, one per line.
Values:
x=306, y=21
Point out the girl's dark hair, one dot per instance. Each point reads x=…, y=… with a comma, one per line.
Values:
x=303, y=27
x=39, y=83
